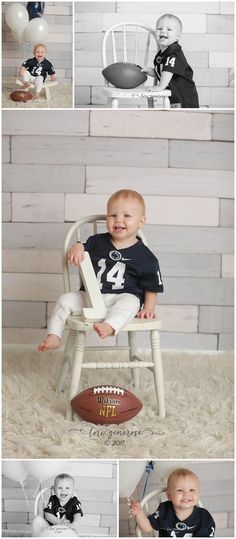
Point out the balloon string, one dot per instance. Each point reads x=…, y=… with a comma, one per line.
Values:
x=39, y=487
x=23, y=483
x=149, y=467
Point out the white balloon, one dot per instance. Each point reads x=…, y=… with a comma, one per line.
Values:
x=19, y=36
x=17, y=17
x=44, y=469
x=15, y=470
x=129, y=476
x=36, y=31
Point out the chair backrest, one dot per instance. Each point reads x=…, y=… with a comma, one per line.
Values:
x=97, y=310
x=157, y=496
x=41, y=500
x=128, y=42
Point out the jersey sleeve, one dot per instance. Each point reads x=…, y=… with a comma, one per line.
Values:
x=26, y=64
x=155, y=520
x=76, y=508
x=89, y=244
x=51, y=70
x=151, y=280
x=207, y=527
x=50, y=507
x=173, y=63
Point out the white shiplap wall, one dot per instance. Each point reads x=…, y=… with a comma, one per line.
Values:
x=60, y=165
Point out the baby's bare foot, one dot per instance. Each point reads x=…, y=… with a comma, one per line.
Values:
x=103, y=329
x=52, y=342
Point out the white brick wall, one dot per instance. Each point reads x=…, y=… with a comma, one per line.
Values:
x=207, y=42
x=216, y=492
x=180, y=161
x=95, y=486
x=59, y=42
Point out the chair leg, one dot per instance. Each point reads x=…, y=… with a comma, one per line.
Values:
x=132, y=350
x=76, y=370
x=158, y=371
x=114, y=103
x=150, y=101
x=66, y=362
x=47, y=92
x=166, y=103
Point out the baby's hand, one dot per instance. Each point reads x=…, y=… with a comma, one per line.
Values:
x=147, y=313
x=135, y=508
x=149, y=71
x=53, y=77
x=76, y=254
x=66, y=522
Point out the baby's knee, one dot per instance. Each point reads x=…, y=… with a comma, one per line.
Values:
x=39, y=80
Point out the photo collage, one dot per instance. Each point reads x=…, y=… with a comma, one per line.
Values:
x=117, y=268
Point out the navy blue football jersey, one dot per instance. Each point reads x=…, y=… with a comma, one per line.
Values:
x=72, y=507
x=182, y=86
x=37, y=69
x=133, y=270
x=199, y=524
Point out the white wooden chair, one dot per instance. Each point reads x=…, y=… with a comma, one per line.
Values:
x=156, y=496
x=132, y=35
x=79, y=325
x=41, y=500
x=46, y=86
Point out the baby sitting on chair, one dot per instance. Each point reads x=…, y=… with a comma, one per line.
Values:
x=63, y=507
x=127, y=271
x=180, y=516
x=36, y=69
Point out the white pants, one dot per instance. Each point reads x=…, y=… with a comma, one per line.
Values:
x=121, y=308
x=38, y=525
x=38, y=81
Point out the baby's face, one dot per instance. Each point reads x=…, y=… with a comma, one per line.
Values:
x=39, y=53
x=124, y=218
x=168, y=31
x=64, y=490
x=184, y=492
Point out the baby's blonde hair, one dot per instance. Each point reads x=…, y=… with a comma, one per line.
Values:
x=180, y=472
x=128, y=193
x=171, y=16
x=63, y=476
x=39, y=45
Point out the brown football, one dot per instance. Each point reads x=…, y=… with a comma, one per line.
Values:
x=106, y=405
x=21, y=95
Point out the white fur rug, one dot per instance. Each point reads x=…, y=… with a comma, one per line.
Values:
x=199, y=400
x=61, y=97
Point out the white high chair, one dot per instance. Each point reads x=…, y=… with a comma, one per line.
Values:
x=79, y=325
x=46, y=86
x=137, y=33
x=157, y=496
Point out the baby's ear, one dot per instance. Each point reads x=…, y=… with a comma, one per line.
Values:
x=143, y=220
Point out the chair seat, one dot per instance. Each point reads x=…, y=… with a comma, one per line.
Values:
x=78, y=323
x=140, y=91
x=46, y=84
